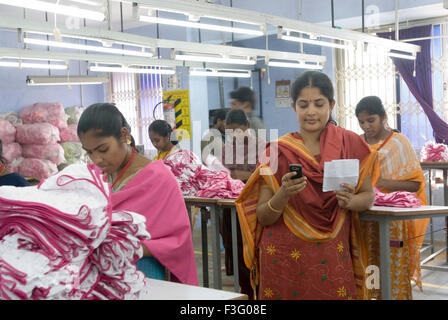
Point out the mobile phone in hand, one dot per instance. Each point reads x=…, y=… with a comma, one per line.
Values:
x=296, y=168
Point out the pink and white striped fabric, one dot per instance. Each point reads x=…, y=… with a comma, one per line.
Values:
x=401, y=199
x=434, y=152
x=197, y=180
x=61, y=240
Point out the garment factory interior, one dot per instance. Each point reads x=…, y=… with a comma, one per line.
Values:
x=181, y=61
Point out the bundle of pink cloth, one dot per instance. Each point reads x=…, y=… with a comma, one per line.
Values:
x=197, y=180
x=401, y=199
x=40, y=148
x=61, y=240
x=434, y=152
x=69, y=134
x=45, y=112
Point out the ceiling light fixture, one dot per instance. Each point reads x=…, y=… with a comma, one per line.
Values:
x=64, y=80
x=56, y=8
x=58, y=44
x=29, y=65
x=215, y=59
x=224, y=74
x=295, y=65
x=190, y=24
x=151, y=70
x=401, y=56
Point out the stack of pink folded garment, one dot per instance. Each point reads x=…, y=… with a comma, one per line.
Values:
x=434, y=152
x=60, y=240
x=401, y=199
x=197, y=180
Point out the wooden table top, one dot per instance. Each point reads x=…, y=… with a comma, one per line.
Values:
x=226, y=202
x=434, y=165
x=200, y=200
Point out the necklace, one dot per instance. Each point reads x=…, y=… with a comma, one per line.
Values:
x=125, y=167
x=2, y=168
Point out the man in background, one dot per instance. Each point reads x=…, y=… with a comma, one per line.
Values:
x=218, y=120
x=244, y=98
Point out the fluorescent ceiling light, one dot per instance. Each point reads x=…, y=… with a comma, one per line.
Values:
x=56, y=8
x=88, y=2
x=189, y=24
x=401, y=56
x=64, y=80
x=225, y=74
x=58, y=44
x=21, y=65
x=202, y=58
x=316, y=42
x=151, y=70
x=297, y=65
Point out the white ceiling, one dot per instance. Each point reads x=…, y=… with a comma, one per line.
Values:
x=129, y=22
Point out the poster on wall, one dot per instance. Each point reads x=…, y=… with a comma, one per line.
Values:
x=176, y=111
x=282, y=97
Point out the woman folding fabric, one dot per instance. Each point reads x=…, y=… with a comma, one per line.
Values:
x=301, y=242
x=399, y=170
x=143, y=187
x=194, y=178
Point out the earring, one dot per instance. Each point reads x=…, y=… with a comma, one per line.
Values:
x=128, y=141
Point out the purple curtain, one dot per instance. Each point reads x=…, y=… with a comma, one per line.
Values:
x=420, y=85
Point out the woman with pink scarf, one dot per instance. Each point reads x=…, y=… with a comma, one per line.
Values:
x=144, y=187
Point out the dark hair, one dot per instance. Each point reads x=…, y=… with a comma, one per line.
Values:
x=372, y=105
x=220, y=114
x=313, y=79
x=237, y=117
x=2, y=160
x=106, y=118
x=163, y=129
x=243, y=94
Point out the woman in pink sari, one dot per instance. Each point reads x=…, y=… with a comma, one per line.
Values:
x=140, y=186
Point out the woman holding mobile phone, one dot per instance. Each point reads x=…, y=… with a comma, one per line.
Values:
x=301, y=242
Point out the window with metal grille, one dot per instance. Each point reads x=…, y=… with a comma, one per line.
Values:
x=364, y=72
x=359, y=73
x=138, y=96
x=414, y=122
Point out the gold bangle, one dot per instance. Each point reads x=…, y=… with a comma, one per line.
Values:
x=272, y=209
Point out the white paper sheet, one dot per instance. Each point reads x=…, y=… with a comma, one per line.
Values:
x=340, y=171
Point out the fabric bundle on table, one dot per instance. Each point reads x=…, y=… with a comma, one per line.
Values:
x=60, y=240
x=195, y=179
x=434, y=152
x=401, y=199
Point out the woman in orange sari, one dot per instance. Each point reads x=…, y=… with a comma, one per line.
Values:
x=301, y=242
x=399, y=171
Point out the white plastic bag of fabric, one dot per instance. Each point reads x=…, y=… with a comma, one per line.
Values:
x=74, y=113
x=53, y=152
x=7, y=132
x=37, y=168
x=12, y=117
x=69, y=134
x=45, y=112
x=14, y=165
x=11, y=151
x=73, y=152
x=37, y=133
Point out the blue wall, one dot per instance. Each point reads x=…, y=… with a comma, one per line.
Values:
x=283, y=119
